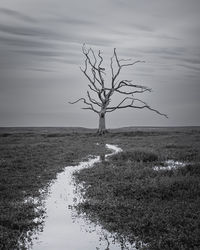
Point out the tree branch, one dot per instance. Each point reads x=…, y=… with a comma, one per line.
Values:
x=93, y=100
x=132, y=92
x=91, y=107
x=94, y=72
x=133, y=63
x=127, y=83
x=130, y=105
x=119, y=65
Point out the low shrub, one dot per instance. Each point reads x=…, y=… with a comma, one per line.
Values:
x=138, y=156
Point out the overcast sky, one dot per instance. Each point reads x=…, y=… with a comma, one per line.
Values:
x=40, y=55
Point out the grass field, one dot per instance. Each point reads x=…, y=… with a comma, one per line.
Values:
x=126, y=195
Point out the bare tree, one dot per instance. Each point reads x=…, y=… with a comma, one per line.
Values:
x=99, y=94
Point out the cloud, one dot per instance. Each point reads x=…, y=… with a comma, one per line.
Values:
x=31, y=31
x=22, y=42
x=190, y=67
x=70, y=21
x=17, y=15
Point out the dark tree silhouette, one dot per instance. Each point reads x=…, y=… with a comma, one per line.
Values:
x=100, y=101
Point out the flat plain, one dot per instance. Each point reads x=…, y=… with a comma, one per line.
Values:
x=125, y=194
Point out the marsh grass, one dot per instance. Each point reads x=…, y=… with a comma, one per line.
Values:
x=135, y=156
x=29, y=160
x=124, y=194
x=161, y=208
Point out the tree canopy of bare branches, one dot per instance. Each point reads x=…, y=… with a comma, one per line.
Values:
x=99, y=94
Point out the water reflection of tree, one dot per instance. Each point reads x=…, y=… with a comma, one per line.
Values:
x=102, y=157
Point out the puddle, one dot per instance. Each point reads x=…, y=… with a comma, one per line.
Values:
x=170, y=165
x=63, y=229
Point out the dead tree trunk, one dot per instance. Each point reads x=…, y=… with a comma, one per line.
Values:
x=102, y=124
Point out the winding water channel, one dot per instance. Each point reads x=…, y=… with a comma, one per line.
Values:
x=63, y=229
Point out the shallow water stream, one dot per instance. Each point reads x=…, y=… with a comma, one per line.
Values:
x=63, y=229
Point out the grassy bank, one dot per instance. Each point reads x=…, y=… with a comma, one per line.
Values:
x=29, y=159
x=126, y=195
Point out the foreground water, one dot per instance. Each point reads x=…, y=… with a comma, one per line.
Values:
x=170, y=165
x=63, y=229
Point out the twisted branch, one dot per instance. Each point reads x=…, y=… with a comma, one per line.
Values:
x=94, y=72
x=131, y=105
x=91, y=107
